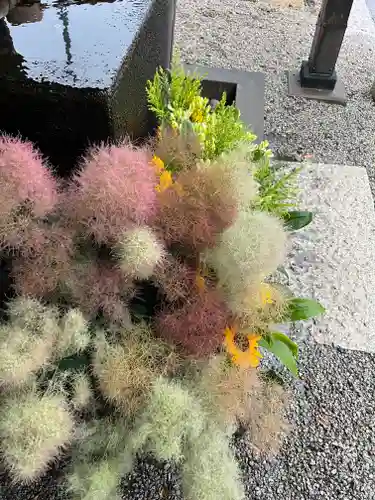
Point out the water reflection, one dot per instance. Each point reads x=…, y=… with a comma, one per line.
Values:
x=63, y=15
x=73, y=42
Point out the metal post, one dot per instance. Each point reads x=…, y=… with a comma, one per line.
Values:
x=317, y=77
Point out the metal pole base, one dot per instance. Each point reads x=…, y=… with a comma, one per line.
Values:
x=316, y=80
x=337, y=95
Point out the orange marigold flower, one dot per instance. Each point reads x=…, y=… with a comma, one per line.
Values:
x=245, y=359
x=253, y=350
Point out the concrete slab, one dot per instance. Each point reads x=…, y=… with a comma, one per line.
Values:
x=336, y=96
x=333, y=259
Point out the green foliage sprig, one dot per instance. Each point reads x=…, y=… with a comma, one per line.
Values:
x=224, y=130
x=171, y=94
x=175, y=98
x=277, y=189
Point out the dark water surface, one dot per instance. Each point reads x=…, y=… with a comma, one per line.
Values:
x=71, y=42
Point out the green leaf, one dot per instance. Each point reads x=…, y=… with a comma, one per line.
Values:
x=302, y=309
x=287, y=341
x=282, y=351
x=295, y=220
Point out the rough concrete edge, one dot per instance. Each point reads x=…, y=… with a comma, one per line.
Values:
x=333, y=259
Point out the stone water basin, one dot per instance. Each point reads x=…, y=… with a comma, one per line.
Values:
x=73, y=73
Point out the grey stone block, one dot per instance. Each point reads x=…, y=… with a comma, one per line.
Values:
x=78, y=76
x=333, y=259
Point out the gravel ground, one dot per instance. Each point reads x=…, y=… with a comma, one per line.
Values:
x=330, y=452
x=256, y=36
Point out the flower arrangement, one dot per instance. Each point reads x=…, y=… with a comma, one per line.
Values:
x=144, y=295
x=255, y=204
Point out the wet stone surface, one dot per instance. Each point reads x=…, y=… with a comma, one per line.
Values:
x=73, y=43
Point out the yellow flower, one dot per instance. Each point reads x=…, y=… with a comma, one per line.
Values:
x=165, y=177
x=158, y=164
x=197, y=116
x=266, y=294
x=199, y=109
x=245, y=359
x=165, y=181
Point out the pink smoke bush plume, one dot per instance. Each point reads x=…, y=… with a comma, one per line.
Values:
x=194, y=214
x=27, y=190
x=101, y=286
x=198, y=326
x=114, y=191
x=176, y=279
x=44, y=261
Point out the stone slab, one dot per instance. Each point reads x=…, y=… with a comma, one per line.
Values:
x=333, y=259
x=336, y=96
